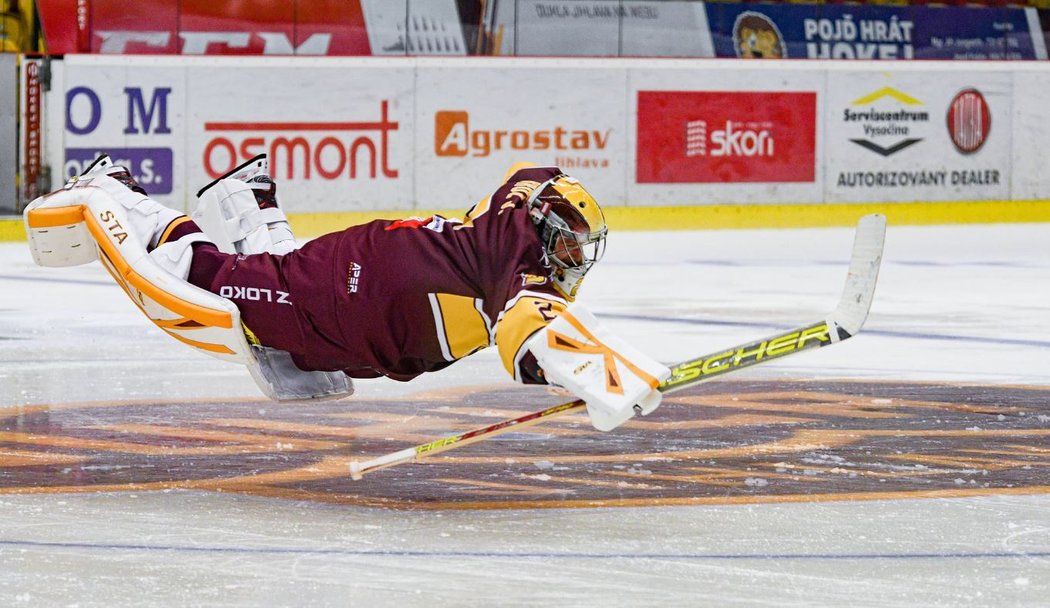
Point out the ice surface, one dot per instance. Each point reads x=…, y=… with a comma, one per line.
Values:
x=959, y=305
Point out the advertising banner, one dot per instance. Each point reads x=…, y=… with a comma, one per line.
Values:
x=727, y=136
x=134, y=114
x=334, y=134
x=32, y=131
x=593, y=28
x=725, y=133
x=203, y=27
x=474, y=123
x=609, y=29
x=338, y=136
x=870, y=32
x=10, y=95
x=414, y=27
x=439, y=133
x=918, y=135
x=1030, y=156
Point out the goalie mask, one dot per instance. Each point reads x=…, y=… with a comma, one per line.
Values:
x=572, y=227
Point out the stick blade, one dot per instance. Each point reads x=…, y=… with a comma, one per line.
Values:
x=864, y=266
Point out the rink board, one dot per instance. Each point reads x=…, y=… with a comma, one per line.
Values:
x=353, y=135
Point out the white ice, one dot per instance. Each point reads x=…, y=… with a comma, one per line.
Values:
x=960, y=304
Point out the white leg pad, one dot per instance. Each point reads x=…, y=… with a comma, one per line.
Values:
x=58, y=238
x=191, y=315
x=177, y=256
x=229, y=214
x=147, y=218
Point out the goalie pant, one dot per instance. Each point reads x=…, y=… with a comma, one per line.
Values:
x=399, y=298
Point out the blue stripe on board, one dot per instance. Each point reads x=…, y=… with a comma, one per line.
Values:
x=867, y=332
x=829, y=262
x=775, y=263
x=10, y=277
x=521, y=555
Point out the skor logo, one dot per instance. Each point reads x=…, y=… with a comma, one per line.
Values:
x=454, y=137
x=696, y=137
x=253, y=294
x=735, y=138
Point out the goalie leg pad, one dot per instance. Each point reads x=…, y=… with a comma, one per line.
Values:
x=193, y=316
x=189, y=314
x=578, y=353
x=58, y=235
x=229, y=213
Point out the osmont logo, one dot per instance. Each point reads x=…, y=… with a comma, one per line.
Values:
x=735, y=138
x=453, y=136
x=969, y=121
x=887, y=129
x=305, y=150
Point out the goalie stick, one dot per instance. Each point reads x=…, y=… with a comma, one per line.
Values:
x=843, y=323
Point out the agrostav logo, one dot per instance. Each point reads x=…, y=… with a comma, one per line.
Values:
x=455, y=136
x=720, y=442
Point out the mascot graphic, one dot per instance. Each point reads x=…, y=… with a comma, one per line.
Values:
x=755, y=35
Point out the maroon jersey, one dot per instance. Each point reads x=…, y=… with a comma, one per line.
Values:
x=399, y=298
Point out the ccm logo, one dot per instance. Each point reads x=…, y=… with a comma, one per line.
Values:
x=253, y=294
x=200, y=43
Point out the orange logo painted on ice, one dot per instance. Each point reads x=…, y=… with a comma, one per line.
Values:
x=715, y=443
